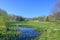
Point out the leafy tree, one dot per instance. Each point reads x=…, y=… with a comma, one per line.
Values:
x=3, y=17
x=3, y=12
x=1, y=21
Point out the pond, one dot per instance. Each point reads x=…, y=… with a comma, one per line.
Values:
x=27, y=34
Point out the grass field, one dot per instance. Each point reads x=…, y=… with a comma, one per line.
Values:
x=49, y=30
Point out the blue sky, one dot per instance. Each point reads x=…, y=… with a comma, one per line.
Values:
x=28, y=8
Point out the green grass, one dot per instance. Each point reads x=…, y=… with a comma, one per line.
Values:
x=47, y=29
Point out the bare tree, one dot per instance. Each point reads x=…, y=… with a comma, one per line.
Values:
x=56, y=11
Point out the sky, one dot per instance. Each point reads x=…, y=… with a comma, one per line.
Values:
x=28, y=8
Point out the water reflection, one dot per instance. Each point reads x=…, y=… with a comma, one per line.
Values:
x=27, y=34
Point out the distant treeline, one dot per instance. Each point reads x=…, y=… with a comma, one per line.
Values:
x=4, y=16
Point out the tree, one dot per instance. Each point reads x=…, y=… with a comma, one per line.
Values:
x=3, y=12
x=2, y=23
x=12, y=16
x=55, y=16
x=3, y=17
x=47, y=18
x=20, y=18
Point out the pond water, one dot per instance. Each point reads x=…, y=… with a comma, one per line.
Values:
x=27, y=34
